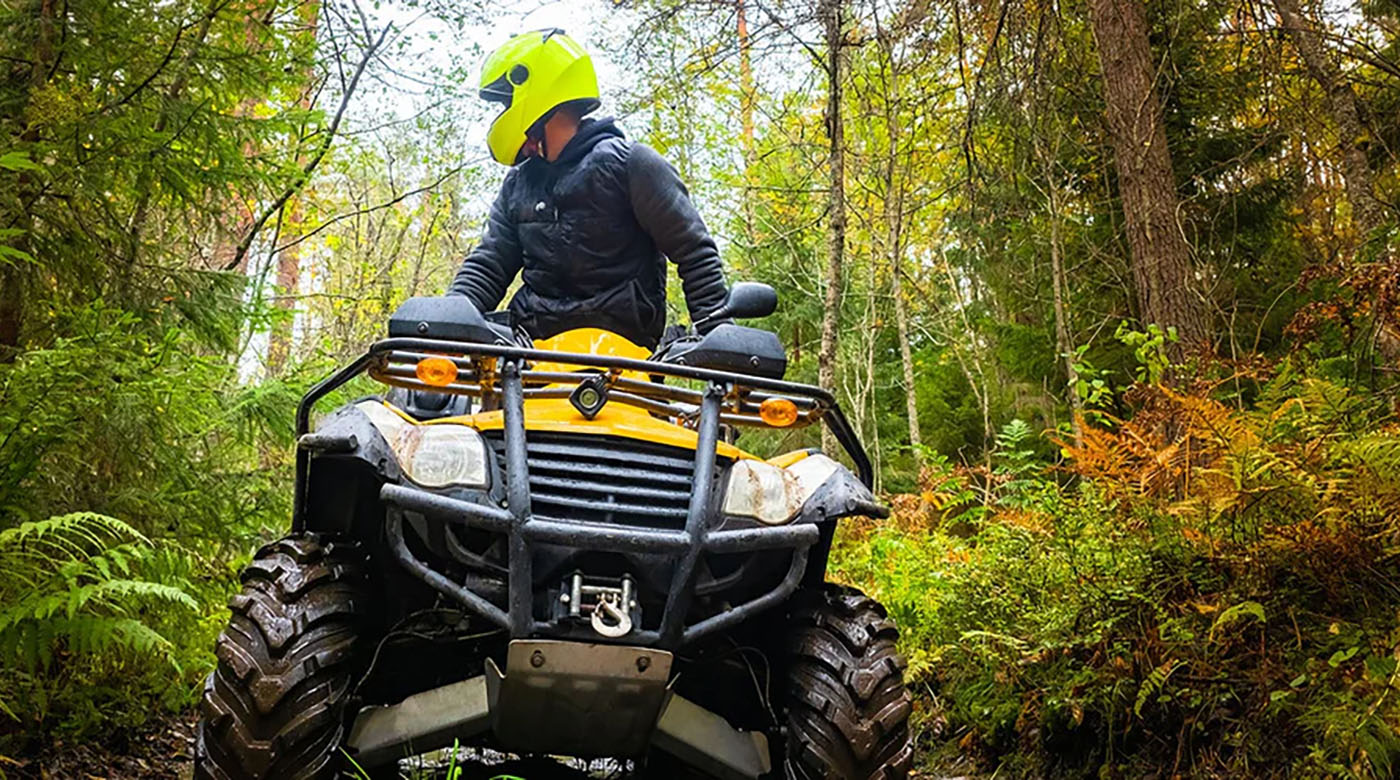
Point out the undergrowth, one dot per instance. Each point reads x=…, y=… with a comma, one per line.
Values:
x=1202, y=590
x=86, y=600
x=136, y=476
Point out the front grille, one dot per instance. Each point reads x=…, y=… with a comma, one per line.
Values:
x=600, y=479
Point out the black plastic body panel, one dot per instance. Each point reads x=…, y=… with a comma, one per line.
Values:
x=734, y=348
x=451, y=318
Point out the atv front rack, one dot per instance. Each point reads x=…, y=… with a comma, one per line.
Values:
x=481, y=372
x=503, y=376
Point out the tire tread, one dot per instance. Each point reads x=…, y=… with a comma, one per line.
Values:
x=274, y=705
x=848, y=708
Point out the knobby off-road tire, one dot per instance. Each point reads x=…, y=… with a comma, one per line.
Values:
x=274, y=707
x=847, y=707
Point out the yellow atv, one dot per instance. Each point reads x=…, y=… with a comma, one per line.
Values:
x=557, y=549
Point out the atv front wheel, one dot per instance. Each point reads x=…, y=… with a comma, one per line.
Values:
x=847, y=707
x=275, y=705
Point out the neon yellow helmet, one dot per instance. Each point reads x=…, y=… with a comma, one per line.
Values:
x=533, y=74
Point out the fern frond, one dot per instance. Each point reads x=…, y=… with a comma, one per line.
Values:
x=76, y=583
x=68, y=536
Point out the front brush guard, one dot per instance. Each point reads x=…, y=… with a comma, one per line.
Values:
x=523, y=530
x=538, y=531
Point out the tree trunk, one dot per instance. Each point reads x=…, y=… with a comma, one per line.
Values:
x=1367, y=211
x=13, y=271
x=746, y=93
x=906, y=358
x=869, y=402
x=1044, y=133
x=1063, y=342
x=279, y=340
x=1167, y=295
x=836, y=208
x=894, y=246
x=746, y=104
x=289, y=260
x=11, y=308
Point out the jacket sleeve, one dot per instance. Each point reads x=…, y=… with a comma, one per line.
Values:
x=492, y=264
x=664, y=210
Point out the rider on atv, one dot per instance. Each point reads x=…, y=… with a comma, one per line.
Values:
x=547, y=542
x=584, y=211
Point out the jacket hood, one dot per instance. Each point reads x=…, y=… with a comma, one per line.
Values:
x=590, y=133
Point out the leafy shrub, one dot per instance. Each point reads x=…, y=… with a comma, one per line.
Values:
x=141, y=418
x=138, y=419
x=1211, y=592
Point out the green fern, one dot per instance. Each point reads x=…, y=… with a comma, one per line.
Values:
x=76, y=585
x=1015, y=463
x=1155, y=681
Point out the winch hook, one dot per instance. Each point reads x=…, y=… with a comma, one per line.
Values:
x=622, y=625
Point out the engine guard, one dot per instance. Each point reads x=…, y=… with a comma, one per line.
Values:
x=585, y=700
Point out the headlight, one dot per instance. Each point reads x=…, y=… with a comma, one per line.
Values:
x=444, y=455
x=434, y=456
x=774, y=495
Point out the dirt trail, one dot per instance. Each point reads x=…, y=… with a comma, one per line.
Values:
x=164, y=752
x=161, y=753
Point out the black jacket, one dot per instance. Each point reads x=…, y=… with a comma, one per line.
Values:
x=589, y=231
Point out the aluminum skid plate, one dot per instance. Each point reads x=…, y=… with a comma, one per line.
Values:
x=577, y=699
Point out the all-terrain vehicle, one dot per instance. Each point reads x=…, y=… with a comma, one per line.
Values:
x=556, y=548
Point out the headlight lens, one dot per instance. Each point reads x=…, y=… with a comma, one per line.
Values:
x=774, y=495
x=444, y=455
x=759, y=490
x=434, y=456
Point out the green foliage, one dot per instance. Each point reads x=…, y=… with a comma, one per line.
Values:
x=1235, y=613
x=136, y=142
x=1149, y=349
x=85, y=596
x=137, y=420
x=1016, y=465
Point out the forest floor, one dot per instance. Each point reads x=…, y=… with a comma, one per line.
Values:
x=164, y=753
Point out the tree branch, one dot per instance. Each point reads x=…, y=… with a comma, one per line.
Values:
x=315, y=161
x=361, y=212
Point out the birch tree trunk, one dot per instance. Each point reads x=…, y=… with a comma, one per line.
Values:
x=894, y=246
x=836, y=208
x=1367, y=211
x=1165, y=284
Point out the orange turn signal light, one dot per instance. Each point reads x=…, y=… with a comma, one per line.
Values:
x=436, y=371
x=778, y=412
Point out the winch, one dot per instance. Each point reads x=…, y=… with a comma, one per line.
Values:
x=611, y=609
